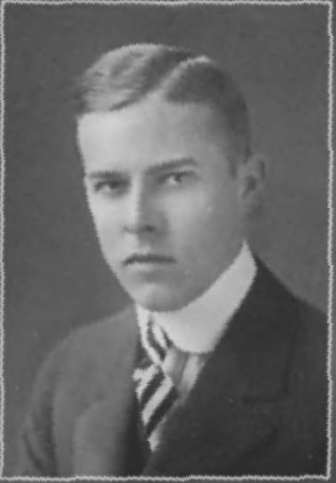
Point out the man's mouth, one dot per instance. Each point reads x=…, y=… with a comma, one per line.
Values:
x=148, y=259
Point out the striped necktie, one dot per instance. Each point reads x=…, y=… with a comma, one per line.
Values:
x=155, y=391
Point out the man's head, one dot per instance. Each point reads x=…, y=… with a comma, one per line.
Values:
x=165, y=143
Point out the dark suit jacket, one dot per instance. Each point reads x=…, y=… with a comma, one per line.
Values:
x=258, y=407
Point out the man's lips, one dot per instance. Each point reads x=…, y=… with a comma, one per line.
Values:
x=149, y=258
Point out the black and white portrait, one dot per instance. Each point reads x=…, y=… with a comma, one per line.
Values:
x=167, y=202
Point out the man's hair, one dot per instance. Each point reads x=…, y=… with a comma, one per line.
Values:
x=129, y=74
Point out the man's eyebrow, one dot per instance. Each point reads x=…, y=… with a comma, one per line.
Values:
x=104, y=174
x=157, y=168
x=173, y=164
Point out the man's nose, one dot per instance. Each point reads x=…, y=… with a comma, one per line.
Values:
x=141, y=214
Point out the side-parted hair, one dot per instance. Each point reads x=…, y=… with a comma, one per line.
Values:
x=126, y=75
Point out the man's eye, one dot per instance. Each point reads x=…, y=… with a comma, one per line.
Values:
x=175, y=179
x=109, y=186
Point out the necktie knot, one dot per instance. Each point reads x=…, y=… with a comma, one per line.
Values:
x=155, y=342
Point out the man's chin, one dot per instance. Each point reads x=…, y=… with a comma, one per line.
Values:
x=156, y=298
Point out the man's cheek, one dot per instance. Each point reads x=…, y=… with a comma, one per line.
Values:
x=103, y=219
x=107, y=236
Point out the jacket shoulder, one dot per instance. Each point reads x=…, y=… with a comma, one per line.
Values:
x=95, y=347
x=281, y=296
x=78, y=371
x=309, y=326
x=108, y=333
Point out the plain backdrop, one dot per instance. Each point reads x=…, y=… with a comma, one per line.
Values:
x=56, y=279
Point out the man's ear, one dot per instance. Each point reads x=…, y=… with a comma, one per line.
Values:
x=251, y=184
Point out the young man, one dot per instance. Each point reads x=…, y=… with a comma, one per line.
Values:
x=217, y=369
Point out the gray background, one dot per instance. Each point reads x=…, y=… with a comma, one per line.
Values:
x=55, y=277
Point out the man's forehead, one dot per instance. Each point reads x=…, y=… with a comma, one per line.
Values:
x=146, y=135
x=151, y=117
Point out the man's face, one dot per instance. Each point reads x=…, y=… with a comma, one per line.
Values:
x=165, y=205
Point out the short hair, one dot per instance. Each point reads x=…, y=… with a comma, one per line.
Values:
x=128, y=74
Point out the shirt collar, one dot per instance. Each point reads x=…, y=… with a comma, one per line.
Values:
x=197, y=327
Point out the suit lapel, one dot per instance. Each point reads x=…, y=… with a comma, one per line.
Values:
x=230, y=410
x=101, y=432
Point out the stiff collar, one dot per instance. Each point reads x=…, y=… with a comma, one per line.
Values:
x=197, y=327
